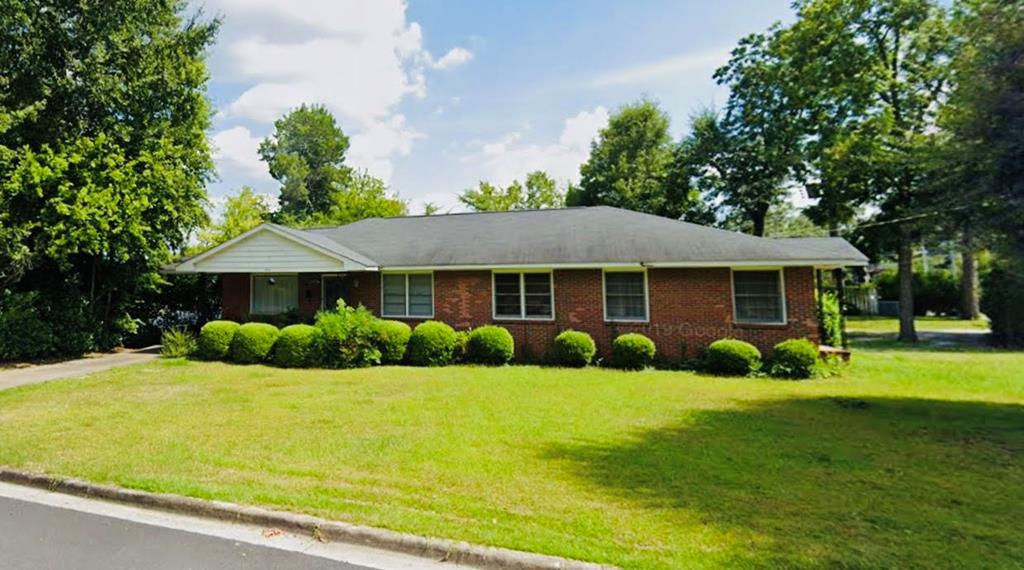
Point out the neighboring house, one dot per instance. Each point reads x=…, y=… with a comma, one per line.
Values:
x=601, y=270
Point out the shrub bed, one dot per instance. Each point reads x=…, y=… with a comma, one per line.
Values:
x=349, y=337
x=253, y=343
x=732, y=357
x=432, y=344
x=574, y=349
x=298, y=346
x=215, y=339
x=392, y=340
x=794, y=358
x=490, y=344
x=633, y=351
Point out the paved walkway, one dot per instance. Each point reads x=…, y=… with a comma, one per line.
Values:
x=12, y=377
x=41, y=530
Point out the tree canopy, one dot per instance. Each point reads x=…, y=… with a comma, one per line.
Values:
x=540, y=191
x=103, y=153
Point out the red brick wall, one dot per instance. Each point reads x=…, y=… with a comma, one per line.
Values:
x=689, y=308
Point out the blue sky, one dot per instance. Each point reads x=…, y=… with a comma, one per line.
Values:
x=438, y=94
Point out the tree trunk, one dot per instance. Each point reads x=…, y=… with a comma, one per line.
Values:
x=969, y=308
x=906, y=277
x=758, y=216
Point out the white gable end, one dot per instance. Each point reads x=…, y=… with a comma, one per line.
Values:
x=267, y=252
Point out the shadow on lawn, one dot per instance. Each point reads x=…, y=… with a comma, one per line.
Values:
x=831, y=482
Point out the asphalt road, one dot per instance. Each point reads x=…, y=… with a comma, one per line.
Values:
x=40, y=537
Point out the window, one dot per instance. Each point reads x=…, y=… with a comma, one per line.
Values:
x=758, y=298
x=523, y=296
x=274, y=294
x=408, y=294
x=625, y=296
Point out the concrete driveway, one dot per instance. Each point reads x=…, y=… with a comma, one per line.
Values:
x=12, y=377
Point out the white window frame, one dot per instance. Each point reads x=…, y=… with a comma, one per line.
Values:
x=604, y=296
x=406, y=274
x=522, y=295
x=782, y=292
x=252, y=292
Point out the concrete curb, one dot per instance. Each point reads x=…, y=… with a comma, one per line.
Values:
x=457, y=552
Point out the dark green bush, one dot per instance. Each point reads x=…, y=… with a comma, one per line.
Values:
x=178, y=342
x=831, y=320
x=575, y=349
x=23, y=335
x=432, y=344
x=794, y=358
x=297, y=347
x=936, y=291
x=349, y=337
x=393, y=340
x=253, y=342
x=490, y=344
x=1002, y=301
x=632, y=351
x=732, y=357
x=215, y=339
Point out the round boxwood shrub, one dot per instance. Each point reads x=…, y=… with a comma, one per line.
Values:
x=794, y=358
x=574, y=348
x=393, y=338
x=215, y=339
x=732, y=357
x=297, y=347
x=632, y=351
x=432, y=344
x=490, y=344
x=252, y=342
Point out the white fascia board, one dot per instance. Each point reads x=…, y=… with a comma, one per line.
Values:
x=631, y=265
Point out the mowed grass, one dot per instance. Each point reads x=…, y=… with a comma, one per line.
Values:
x=909, y=459
x=891, y=325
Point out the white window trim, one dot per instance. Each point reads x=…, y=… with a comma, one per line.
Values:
x=407, y=315
x=604, y=296
x=522, y=296
x=252, y=292
x=782, y=292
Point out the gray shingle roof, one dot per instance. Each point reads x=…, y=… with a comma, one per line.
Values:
x=591, y=235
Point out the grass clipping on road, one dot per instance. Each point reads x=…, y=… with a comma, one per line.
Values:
x=906, y=459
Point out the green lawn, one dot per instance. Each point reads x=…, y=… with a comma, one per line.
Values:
x=909, y=459
x=875, y=324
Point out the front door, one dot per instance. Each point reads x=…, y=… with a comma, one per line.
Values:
x=334, y=289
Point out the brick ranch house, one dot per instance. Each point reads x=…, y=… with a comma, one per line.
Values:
x=602, y=270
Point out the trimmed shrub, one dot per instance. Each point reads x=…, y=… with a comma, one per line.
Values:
x=178, y=342
x=297, y=347
x=432, y=344
x=253, y=342
x=732, y=357
x=215, y=339
x=349, y=337
x=393, y=340
x=632, y=351
x=794, y=358
x=575, y=349
x=491, y=344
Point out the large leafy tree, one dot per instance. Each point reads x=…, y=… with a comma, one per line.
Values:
x=103, y=153
x=539, y=191
x=242, y=212
x=306, y=154
x=361, y=196
x=873, y=74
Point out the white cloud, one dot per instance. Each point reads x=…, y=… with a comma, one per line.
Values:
x=506, y=159
x=676, y=65
x=235, y=151
x=455, y=57
x=372, y=148
x=359, y=58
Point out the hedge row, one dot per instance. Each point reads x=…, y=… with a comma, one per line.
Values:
x=352, y=337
